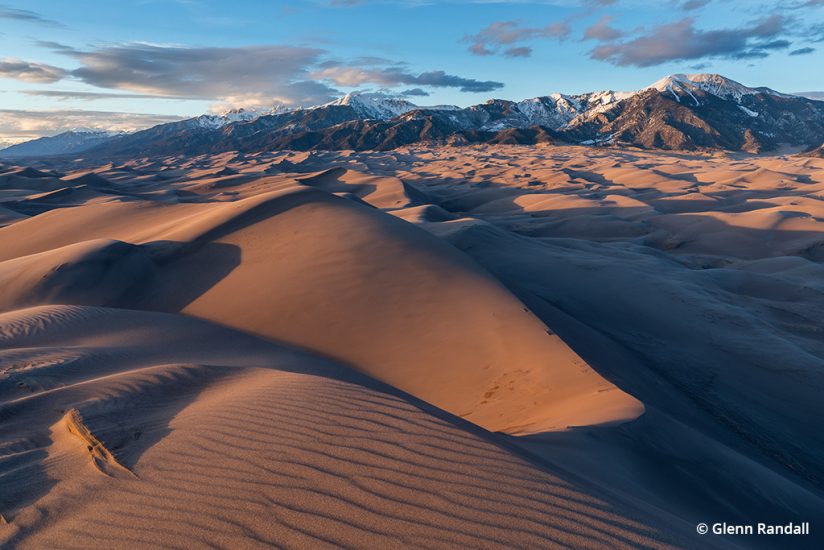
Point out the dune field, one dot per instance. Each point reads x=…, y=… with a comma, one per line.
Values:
x=453, y=347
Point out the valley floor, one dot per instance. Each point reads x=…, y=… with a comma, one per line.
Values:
x=491, y=346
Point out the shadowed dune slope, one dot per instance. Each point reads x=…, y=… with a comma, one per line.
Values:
x=177, y=433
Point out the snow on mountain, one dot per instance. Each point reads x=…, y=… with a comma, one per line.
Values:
x=556, y=111
x=95, y=132
x=440, y=107
x=638, y=117
x=559, y=111
x=680, y=85
x=372, y=105
x=750, y=112
x=380, y=106
x=218, y=121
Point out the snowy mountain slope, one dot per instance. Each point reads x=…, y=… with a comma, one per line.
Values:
x=680, y=85
x=380, y=106
x=374, y=106
x=217, y=121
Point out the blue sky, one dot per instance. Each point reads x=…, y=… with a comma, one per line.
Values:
x=133, y=63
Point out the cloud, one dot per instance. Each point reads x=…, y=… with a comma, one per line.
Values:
x=773, y=45
x=278, y=70
x=27, y=16
x=503, y=35
x=522, y=51
x=250, y=100
x=682, y=41
x=54, y=46
x=30, y=71
x=249, y=75
x=417, y=92
x=20, y=125
x=602, y=31
x=802, y=51
x=69, y=94
x=395, y=76
x=690, y=5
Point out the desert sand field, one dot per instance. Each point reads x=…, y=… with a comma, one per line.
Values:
x=454, y=347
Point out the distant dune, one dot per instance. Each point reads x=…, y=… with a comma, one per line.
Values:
x=491, y=346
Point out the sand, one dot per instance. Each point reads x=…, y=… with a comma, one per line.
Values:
x=454, y=347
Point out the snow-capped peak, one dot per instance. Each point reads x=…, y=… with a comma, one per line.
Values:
x=715, y=84
x=375, y=105
x=240, y=114
x=216, y=121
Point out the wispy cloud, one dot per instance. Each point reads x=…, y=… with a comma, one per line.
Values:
x=30, y=71
x=89, y=96
x=27, y=16
x=690, y=5
x=358, y=76
x=802, y=51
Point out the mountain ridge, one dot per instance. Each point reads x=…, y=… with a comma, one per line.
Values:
x=677, y=112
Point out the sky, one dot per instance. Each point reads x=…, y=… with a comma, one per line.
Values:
x=131, y=64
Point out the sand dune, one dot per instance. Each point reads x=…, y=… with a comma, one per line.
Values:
x=302, y=266
x=181, y=433
x=452, y=347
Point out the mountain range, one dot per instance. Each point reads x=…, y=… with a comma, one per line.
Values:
x=679, y=112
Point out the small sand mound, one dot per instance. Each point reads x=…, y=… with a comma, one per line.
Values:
x=226, y=171
x=101, y=457
x=30, y=172
x=327, y=177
